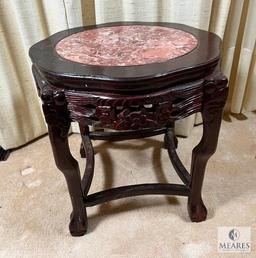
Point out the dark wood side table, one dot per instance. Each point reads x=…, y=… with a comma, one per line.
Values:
x=137, y=78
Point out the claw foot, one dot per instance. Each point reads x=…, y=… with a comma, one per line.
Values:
x=77, y=225
x=197, y=212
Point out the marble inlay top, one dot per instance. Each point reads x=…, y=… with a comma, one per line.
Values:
x=126, y=45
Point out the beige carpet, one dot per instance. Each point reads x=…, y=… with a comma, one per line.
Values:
x=35, y=206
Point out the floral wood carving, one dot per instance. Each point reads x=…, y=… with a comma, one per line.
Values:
x=122, y=112
x=133, y=119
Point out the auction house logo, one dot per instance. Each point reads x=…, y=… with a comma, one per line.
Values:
x=234, y=239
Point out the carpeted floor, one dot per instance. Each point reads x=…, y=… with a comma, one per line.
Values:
x=35, y=206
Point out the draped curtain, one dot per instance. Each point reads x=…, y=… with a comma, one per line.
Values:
x=23, y=23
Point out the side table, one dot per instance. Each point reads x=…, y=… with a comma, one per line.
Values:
x=137, y=78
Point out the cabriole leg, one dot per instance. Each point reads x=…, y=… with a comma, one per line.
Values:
x=55, y=111
x=214, y=100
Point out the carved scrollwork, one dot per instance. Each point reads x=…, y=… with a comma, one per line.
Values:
x=215, y=94
x=54, y=104
x=55, y=110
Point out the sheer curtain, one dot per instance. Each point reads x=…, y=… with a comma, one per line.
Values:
x=23, y=23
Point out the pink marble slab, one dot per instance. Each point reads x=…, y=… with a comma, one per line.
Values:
x=126, y=45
